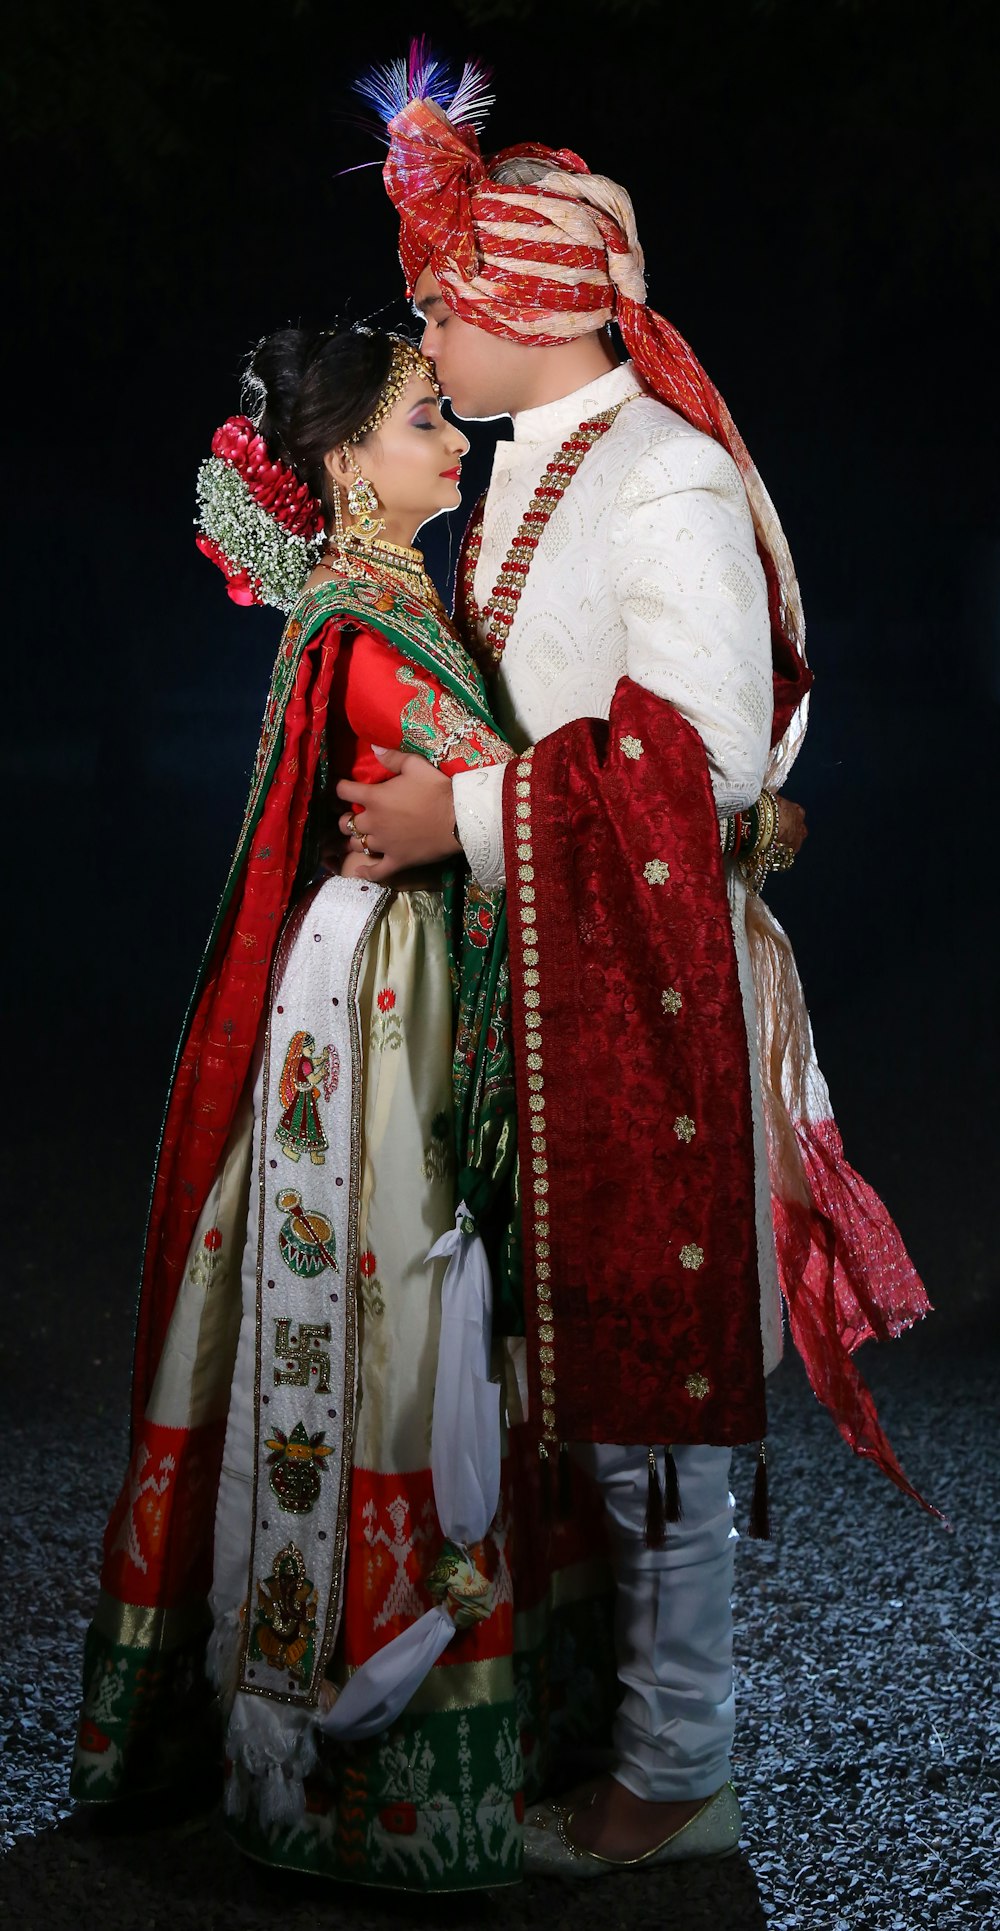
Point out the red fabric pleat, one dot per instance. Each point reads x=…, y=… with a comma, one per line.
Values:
x=216, y=1054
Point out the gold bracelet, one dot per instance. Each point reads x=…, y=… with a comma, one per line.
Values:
x=767, y=823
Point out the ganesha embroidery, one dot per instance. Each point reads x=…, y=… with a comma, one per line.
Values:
x=284, y=1628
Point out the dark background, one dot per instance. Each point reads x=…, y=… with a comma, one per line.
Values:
x=816, y=187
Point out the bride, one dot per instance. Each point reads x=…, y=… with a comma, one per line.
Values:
x=311, y=1497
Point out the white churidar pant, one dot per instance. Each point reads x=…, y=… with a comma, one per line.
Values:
x=673, y=1730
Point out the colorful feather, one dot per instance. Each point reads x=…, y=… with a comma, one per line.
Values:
x=421, y=76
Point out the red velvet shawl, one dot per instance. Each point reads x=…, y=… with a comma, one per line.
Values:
x=642, y=1297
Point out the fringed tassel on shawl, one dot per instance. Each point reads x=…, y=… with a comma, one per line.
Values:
x=272, y=1748
x=222, y=1657
x=760, y=1513
x=655, y=1536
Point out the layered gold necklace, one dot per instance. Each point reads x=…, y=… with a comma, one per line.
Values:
x=397, y=560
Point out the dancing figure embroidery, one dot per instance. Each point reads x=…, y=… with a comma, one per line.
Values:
x=305, y=1074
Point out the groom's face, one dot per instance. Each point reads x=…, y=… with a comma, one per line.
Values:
x=481, y=373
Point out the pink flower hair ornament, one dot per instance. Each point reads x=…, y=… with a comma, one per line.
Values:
x=256, y=519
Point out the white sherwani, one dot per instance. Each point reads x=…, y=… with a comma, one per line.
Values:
x=647, y=569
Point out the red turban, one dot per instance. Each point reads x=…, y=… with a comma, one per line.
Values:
x=542, y=260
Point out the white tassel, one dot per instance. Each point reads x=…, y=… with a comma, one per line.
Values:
x=272, y=1747
x=222, y=1657
x=465, y=1466
x=465, y=1432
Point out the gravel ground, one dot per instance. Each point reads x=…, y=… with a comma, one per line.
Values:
x=866, y=1747
x=866, y=1636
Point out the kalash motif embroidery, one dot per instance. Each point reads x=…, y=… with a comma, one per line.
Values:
x=306, y=1240
x=305, y=1074
x=284, y=1629
x=296, y=1464
x=387, y=1029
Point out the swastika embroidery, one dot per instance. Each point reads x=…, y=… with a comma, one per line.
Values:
x=303, y=1355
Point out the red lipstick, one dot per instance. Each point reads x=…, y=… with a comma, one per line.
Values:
x=452, y=475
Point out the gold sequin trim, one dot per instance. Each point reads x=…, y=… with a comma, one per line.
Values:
x=535, y=1124
x=692, y=1255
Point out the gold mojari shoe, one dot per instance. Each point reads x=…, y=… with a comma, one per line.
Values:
x=550, y=1849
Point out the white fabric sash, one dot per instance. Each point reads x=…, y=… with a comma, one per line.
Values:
x=465, y=1468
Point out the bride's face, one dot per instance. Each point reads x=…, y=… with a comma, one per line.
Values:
x=413, y=461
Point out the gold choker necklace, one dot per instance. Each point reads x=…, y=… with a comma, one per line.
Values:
x=393, y=556
x=398, y=560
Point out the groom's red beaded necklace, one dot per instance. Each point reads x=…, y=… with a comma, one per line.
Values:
x=492, y=623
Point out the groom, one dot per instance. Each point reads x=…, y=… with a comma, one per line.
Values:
x=625, y=535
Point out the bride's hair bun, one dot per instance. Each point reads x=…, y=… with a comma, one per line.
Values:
x=310, y=390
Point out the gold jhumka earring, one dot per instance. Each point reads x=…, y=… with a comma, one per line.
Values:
x=363, y=505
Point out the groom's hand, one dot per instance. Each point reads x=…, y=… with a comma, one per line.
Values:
x=405, y=824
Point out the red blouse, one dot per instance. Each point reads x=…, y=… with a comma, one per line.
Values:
x=377, y=697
